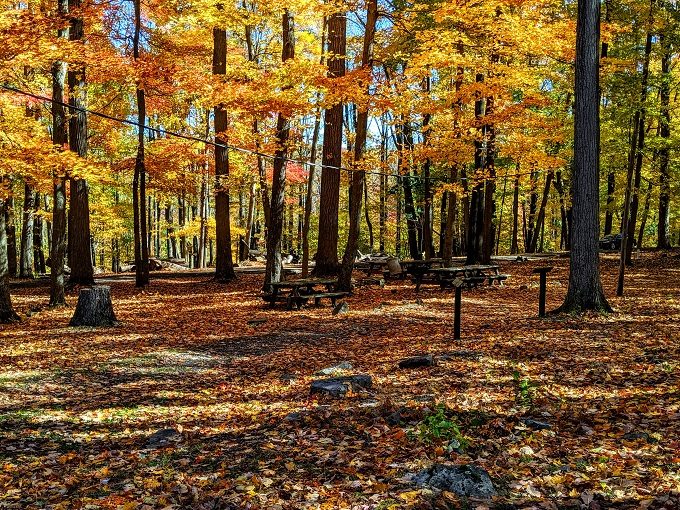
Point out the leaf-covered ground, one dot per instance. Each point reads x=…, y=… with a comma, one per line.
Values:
x=77, y=407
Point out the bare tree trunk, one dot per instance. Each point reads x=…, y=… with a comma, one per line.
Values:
x=139, y=179
x=540, y=221
x=359, y=174
x=645, y=215
x=428, y=242
x=514, y=247
x=327, y=253
x=585, y=289
x=475, y=253
x=13, y=268
x=38, y=224
x=79, y=238
x=564, y=236
x=663, y=232
x=224, y=265
x=634, y=166
x=273, y=270
x=7, y=313
x=26, y=253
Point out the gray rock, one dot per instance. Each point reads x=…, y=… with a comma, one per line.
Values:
x=163, y=437
x=465, y=480
x=337, y=387
x=417, y=361
x=341, y=308
x=535, y=424
x=336, y=369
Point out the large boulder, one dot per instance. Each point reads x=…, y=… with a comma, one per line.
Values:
x=338, y=387
x=465, y=480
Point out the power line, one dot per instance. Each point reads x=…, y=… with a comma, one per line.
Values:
x=227, y=146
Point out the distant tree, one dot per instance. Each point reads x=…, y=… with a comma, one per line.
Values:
x=7, y=313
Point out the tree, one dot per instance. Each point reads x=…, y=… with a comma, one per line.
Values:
x=359, y=174
x=274, y=234
x=60, y=139
x=7, y=313
x=139, y=180
x=329, y=203
x=224, y=264
x=79, y=237
x=585, y=288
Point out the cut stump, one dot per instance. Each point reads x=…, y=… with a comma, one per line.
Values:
x=94, y=308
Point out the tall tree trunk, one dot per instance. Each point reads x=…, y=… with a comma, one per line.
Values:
x=273, y=270
x=514, y=246
x=139, y=179
x=428, y=241
x=540, y=220
x=663, y=233
x=224, y=265
x=635, y=166
x=533, y=206
x=359, y=174
x=79, y=238
x=585, y=288
x=382, y=227
x=475, y=240
x=564, y=236
x=12, y=266
x=490, y=184
x=367, y=218
x=7, y=313
x=327, y=253
x=645, y=215
x=611, y=177
x=38, y=224
x=405, y=142
x=451, y=219
x=26, y=253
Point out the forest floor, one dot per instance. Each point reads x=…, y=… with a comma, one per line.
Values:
x=79, y=407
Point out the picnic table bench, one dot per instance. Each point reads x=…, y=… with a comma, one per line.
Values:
x=302, y=291
x=472, y=276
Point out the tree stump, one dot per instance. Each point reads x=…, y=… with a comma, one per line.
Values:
x=94, y=308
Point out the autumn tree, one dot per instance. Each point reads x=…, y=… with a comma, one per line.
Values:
x=585, y=288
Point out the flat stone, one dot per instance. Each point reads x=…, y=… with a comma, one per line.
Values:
x=338, y=369
x=417, y=361
x=535, y=424
x=337, y=387
x=163, y=437
x=465, y=480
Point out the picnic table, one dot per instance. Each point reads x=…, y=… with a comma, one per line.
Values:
x=301, y=291
x=472, y=275
x=420, y=268
x=370, y=265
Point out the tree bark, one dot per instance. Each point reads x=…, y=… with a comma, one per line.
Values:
x=585, y=288
x=359, y=174
x=7, y=313
x=79, y=238
x=11, y=231
x=60, y=139
x=663, y=231
x=327, y=252
x=540, y=220
x=514, y=246
x=224, y=265
x=26, y=253
x=475, y=239
x=139, y=179
x=273, y=271
x=428, y=241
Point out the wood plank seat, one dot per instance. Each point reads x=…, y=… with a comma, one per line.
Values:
x=317, y=297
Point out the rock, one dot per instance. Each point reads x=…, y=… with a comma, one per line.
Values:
x=293, y=417
x=341, y=308
x=163, y=437
x=535, y=424
x=465, y=480
x=338, y=387
x=636, y=436
x=336, y=369
x=417, y=361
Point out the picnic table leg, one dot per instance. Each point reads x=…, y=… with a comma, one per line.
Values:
x=456, y=312
x=541, y=298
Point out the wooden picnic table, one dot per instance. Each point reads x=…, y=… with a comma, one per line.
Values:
x=472, y=275
x=304, y=289
x=419, y=268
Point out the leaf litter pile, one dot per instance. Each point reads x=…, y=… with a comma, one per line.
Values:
x=201, y=398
